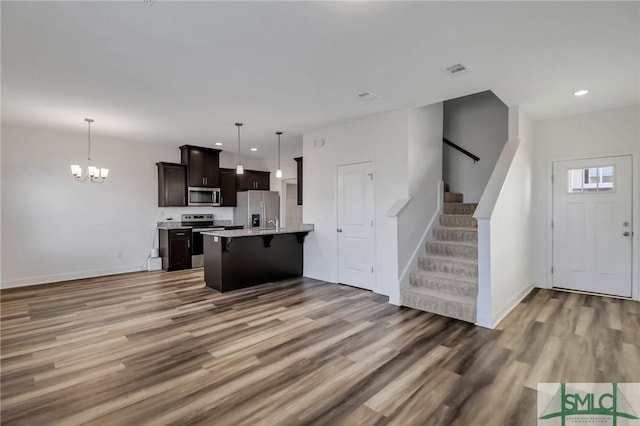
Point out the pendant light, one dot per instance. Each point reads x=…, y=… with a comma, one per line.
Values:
x=239, y=168
x=279, y=171
x=96, y=174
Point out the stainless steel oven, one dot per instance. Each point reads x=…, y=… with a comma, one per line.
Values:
x=200, y=223
x=197, y=245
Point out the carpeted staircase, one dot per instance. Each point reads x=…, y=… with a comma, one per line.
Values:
x=447, y=281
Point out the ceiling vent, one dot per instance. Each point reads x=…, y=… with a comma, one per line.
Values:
x=368, y=96
x=457, y=69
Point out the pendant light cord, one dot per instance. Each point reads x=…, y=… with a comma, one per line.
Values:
x=89, y=138
x=239, y=151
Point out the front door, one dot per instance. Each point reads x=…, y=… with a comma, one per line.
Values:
x=356, y=240
x=592, y=229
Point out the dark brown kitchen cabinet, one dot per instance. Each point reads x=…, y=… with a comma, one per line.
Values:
x=203, y=166
x=254, y=180
x=228, y=188
x=172, y=185
x=299, y=176
x=175, y=249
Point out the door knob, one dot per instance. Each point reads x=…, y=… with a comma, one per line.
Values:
x=339, y=229
x=626, y=233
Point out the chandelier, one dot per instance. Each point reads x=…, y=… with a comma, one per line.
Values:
x=96, y=175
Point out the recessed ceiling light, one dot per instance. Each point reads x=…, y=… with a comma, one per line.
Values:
x=581, y=92
x=219, y=143
x=254, y=149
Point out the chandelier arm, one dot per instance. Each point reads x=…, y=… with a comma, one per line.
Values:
x=82, y=179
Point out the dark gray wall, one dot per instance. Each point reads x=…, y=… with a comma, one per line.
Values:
x=478, y=123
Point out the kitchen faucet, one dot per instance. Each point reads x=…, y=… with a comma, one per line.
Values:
x=276, y=223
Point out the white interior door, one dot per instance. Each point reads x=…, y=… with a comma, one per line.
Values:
x=592, y=229
x=356, y=239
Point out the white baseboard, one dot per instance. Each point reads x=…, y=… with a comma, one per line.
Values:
x=542, y=285
x=46, y=279
x=512, y=303
x=484, y=321
x=395, y=299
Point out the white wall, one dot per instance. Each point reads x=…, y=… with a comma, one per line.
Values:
x=425, y=173
x=54, y=228
x=289, y=199
x=381, y=139
x=479, y=124
x=603, y=133
x=504, y=227
x=511, y=258
x=290, y=148
x=229, y=160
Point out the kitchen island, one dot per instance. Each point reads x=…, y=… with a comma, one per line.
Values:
x=247, y=257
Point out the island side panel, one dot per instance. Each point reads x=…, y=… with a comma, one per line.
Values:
x=213, y=261
x=247, y=262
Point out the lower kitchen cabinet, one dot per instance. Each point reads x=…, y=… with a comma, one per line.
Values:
x=175, y=249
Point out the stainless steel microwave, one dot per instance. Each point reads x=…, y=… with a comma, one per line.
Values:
x=203, y=196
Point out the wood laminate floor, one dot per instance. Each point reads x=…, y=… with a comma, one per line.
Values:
x=161, y=348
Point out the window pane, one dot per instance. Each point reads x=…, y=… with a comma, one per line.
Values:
x=606, y=179
x=590, y=179
x=574, y=180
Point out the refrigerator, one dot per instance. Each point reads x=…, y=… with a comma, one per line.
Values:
x=255, y=208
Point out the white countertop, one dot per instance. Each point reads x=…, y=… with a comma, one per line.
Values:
x=255, y=232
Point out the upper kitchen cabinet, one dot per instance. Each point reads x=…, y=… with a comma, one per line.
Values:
x=254, y=180
x=172, y=185
x=203, y=166
x=299, y=176
x=228, y=194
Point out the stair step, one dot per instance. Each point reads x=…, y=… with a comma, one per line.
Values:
x=437, y=302
x=446, y=233
x=449, y=264
x=453, y=248
x=458, y=285
x=458, y=220
x=459, y=208
x=453, y=197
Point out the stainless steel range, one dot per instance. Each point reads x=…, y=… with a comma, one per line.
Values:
x=198, y=223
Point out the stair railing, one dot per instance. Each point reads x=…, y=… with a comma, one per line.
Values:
x=461, y=149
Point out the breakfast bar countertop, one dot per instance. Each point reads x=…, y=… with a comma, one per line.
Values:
x=255, y=232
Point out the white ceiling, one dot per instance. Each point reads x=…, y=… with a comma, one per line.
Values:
x=185, y=72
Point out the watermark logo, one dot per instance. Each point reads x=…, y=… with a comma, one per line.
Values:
x=561, y=404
